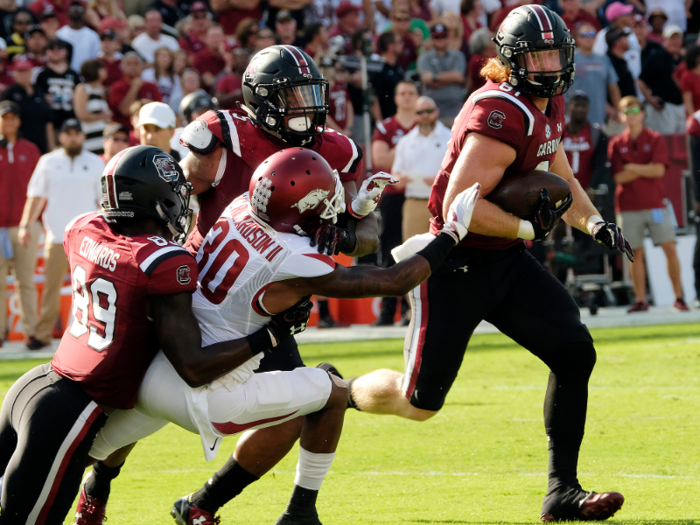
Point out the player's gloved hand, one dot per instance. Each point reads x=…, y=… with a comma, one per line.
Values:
x=460, y=213
x=610, y=234
x=546, y=218
x=332, y=240
x=369, y=194
x=290, y=322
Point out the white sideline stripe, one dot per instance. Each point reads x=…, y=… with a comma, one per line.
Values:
x=354, y=156
x=74, y=432
x=514, y=100
x=235, y=141
x=149, y=260
x=415, y=336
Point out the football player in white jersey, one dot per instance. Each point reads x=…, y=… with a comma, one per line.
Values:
x=255, y=262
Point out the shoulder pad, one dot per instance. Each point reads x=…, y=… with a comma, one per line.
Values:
x=198, y=137
x=498, y=95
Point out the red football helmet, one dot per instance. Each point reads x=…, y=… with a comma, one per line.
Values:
x=295, y=191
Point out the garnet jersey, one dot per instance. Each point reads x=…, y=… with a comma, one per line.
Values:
x=390, y=131
x=246, y=147
x=339, y=100
x=580, y=150
x=237, y=261
x=111, y=341
x=501, y=112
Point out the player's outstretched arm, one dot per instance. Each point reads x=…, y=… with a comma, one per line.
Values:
x=181, y=341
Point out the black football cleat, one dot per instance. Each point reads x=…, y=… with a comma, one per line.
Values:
x=184, y=512
x=299, y=517
x=332, y=370
x=574, y=504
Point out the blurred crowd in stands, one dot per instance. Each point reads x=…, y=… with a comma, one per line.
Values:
x=92, y=67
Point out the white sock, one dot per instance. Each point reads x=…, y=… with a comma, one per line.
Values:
x=312, y=468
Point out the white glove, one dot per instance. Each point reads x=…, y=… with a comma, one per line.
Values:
x=412, y=246
x=460, y=213
x=369, y=194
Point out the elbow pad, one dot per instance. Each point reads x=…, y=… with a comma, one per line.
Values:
x=198, y=138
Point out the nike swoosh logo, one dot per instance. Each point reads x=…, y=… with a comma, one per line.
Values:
x=214, y=445
x=231, y=428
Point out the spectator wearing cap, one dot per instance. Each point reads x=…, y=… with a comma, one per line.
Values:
x=60, y=7
x=665, y=108
x=39, y=128
x=620, y=16
x=147, y=42
x=657, y=20
x=286, y=29
x=231, y=12
x=115, y=139
x=99, y=10
x=585, y=143
x=21, y=22
x=384, y=81
x=49, y=23
x=156, y=127
x=35, y=42
x=595, y=76
x=120, y=28
x=65, y=184
x=348, y=16
x=169, y=10
x=316, y=38
x=210, y=60
x=6, y=79
x=675, y=11
x=111, y=57
x=638, y=161
x=641, y=30
x=85, y=42
x=618, y=44
x=18, y=158
x=193, y=41
x=130, y=88
x=58, y=81
x=442, y=72
x=91, y=106
x=573, y=15
x=401, y=27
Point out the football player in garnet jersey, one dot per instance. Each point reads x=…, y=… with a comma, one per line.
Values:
x=512, y=125
x=286, y=102
x=292, y=195
x=132, y=294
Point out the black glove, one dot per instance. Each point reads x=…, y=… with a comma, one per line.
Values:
x=610, y=234
x=332, y=240
x=546, y=218
x=290, y=322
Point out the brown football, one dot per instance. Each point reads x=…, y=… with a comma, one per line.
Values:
x=520, y=194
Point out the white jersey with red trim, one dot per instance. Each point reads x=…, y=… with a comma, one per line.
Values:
x=238, y=260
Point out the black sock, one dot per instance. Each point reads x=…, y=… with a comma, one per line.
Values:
x=99, y=484
x=302, y=499
x=225, y=485
x=563, y=461
x=323, y=308
x=351, y=400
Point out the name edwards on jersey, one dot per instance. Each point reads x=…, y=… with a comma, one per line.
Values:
x=98, y=254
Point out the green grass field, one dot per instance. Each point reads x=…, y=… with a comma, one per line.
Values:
x=483, y=459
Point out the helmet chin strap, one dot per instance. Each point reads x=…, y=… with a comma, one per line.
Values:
x=161, y=213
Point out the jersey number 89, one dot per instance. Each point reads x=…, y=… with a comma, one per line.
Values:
x=102, y=318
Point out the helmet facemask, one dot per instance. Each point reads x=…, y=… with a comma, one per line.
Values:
x=336, y=205
x=546, y=73
x=177, y=222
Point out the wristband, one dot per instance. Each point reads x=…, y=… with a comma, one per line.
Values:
x=437, y=250
x=526, y=230
x=261, y=340
x=354, y=213
x=592, y=221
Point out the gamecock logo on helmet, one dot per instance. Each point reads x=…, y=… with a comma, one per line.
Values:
x=166, y=167
x=496, y=119
x=312, y=200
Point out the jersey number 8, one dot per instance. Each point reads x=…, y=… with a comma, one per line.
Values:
x=103, y=318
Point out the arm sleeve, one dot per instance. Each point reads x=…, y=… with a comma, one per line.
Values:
x=500, y=119
x=660, y=150
x=37, y=184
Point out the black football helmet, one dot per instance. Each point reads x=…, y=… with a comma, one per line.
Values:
x=536, y=47
x=286, y=94
x=199, y=101
x=144, y=181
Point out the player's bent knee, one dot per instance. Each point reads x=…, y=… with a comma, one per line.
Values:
x=418, y=414
x=578, y=359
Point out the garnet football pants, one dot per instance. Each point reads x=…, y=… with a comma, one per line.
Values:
x=47, y=426
x=511, y=290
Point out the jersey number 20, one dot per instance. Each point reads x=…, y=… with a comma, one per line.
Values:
x=102, y=318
